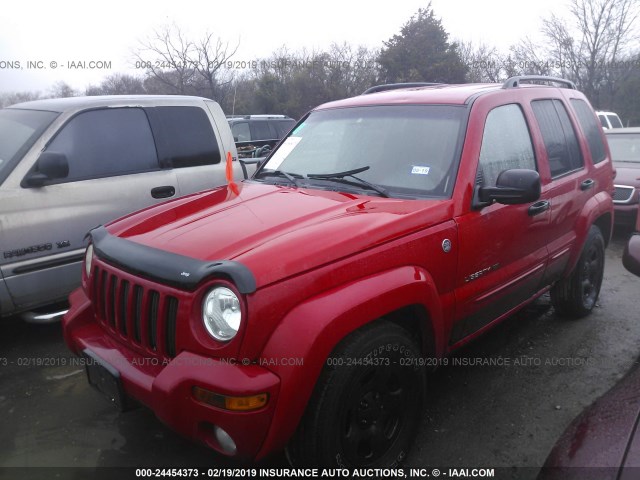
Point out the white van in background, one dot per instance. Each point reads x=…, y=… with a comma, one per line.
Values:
x=609, y=120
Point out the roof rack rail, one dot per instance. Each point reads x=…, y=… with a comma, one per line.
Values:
x=514, y=82
x=261, y=116
x=396, y=86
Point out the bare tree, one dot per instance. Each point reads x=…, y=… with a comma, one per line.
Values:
x=61, y=89
x=352, y=70
x=213, y=56
x=118, y=84
x=484, y=63
x=169, y=57
x=526, y=58
x=176, y=64
x=12, y=98
x=592, y=47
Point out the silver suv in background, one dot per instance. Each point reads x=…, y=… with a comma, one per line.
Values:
x=68, y=165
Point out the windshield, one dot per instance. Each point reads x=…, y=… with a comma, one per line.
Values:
x=410, y=150
x=625, y=147
x=19, y=129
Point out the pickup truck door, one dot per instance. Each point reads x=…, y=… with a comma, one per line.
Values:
x=503, y=250
x=113, y=170
x=193, y=142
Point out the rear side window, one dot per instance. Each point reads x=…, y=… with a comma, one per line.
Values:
x=506, y=144
x=603, y=121
x=591, y=129
x=184, y=136
x=283, y=126
x=100, y=143
x=260, y=130
x=558, y=135
x=614, y=120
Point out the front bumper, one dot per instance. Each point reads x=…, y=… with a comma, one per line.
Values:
x=165, y=386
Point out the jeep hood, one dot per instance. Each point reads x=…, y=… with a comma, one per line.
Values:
x=276, y=231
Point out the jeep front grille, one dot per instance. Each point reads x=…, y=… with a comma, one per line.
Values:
x=622, y=194
x=145, y=317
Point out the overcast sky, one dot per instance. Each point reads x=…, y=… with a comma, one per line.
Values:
x=74, y=30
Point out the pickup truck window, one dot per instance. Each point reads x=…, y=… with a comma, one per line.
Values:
x=411, y=150
x=106, y=142
x=559, y=136
x=614, y=120
x=591, y=129
x=19, y=129
x=184, y=137
x=506, y=144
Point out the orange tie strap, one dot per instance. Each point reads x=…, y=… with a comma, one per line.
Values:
x=232, y=186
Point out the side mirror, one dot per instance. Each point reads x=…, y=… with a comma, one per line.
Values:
x=250, y=161
x=631, y=255
x=513, y=187
x=50, y=165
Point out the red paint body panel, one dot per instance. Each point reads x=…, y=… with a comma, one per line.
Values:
x=165, y=386
x=325, y=263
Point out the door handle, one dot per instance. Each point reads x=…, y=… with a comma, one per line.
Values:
x=587, y=184
x=163, y=192
x=539, y=207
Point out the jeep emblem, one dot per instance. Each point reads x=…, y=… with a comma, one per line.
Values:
x=446, y=245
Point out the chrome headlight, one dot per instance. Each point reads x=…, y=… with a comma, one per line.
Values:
x=221, y=313
x=88, y=260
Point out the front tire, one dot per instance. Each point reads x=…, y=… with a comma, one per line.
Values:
x=576, y=296
x=365, y=408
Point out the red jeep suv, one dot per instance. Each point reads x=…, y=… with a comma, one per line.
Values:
x=301, y=308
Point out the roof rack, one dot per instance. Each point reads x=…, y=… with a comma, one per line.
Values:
x=248, y=117
x=514, y=82
x=396, y=86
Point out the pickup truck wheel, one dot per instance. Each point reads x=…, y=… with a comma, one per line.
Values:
x=576, y=296
x=364, y=409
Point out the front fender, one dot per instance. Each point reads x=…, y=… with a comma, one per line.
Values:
x=313, y=329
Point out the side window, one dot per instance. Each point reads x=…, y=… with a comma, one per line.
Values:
x=260, y=130
x=241, y=132
x=506, y=144
x=184, y=136
x=558, y=136
x=603, y=121
x=100, y=143
x=614, y=120
x=591, y=129
x=283, y=127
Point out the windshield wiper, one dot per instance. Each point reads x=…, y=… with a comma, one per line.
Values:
x=339, y=176
x=280, y=173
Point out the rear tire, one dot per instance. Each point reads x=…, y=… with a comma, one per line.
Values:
x=576, y=296
x=365, y=408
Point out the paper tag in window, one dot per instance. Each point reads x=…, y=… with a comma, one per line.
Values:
x=420, y=170
x=282, y=153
